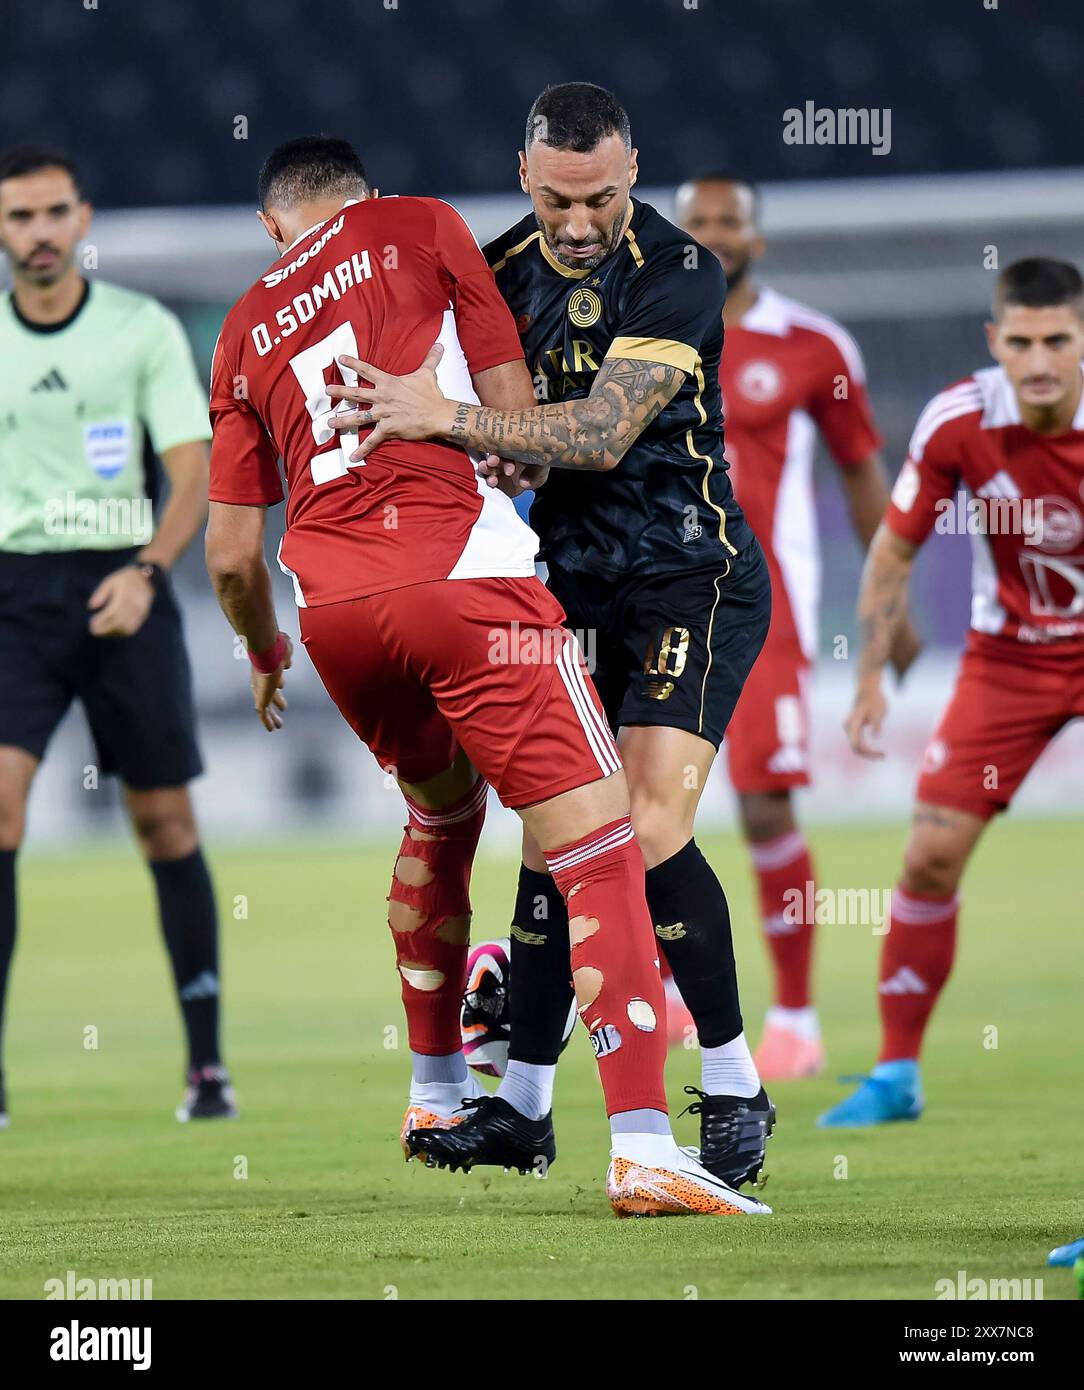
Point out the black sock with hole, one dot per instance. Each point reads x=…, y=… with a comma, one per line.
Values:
x=186, y=904
x=692, y=926
x=541, y=970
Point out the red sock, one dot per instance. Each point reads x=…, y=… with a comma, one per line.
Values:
x=430, y=917
x=618, y=989
x=915, y=962
x=784, y=869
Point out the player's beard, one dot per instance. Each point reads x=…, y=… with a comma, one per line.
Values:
x=579, y=262
x=736, y=271
x=43, y=276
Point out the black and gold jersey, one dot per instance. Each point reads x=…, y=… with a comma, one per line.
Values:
x=657, y=298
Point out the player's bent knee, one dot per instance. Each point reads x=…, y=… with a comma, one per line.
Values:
x=571, y=815
x=12, y=827
x=931, y=867
x=168, y=836
x=661, y=828
x=766, y=815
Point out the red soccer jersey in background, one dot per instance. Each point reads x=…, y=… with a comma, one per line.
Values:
x=786, y=372
x=382, y=280
x=1027, y=581
x=1021, y=678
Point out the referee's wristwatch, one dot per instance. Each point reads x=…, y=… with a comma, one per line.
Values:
x=155, y=574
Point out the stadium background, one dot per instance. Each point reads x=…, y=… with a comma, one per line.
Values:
x=169, y=110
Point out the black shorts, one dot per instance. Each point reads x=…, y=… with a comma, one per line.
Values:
x=672, y=649
x=136, y=691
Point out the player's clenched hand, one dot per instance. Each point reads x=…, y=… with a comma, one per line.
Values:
x=512, y=478
x=120, y=603
x=393, y=407
x=866, y=717
x=267, y=691
x=906, y=646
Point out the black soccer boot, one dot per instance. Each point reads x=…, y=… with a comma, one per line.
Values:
x=733, y=1134
x=209, y=1096
x=495, y=1133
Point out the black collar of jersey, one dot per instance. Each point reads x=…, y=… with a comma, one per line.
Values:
x=36, y=327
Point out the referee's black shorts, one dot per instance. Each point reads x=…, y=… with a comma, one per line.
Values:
x=136, y=691
x=671, y=649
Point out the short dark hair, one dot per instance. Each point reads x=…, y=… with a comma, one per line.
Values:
x=21, y=160
x=726, y=176
x=576, y=116
x=1038, y=282
x=310, y=167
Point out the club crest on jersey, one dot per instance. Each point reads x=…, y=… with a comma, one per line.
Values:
x=1059, y=525
x=760, y=381
x=935, y=756
x=584, y=307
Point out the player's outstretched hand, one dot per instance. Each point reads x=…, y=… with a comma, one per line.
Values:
x=866, y=717
x=393, y=407
x=267, y=691
x=120, y=603
x=511, y=477
x=906, y=647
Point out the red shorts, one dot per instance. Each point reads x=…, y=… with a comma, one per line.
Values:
x=479, y=664
x=1003, y=712
x=767, y=741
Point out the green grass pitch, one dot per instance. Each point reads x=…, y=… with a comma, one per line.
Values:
x=98, y=1178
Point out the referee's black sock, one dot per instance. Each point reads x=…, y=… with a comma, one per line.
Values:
x=7, y=932
x=186, y=905
x=541, y=971
x=692, y=924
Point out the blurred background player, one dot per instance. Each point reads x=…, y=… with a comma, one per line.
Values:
x=86, y=607
x=787, y=373
x=648, y=553
x=407, y=569
x=1013, y=436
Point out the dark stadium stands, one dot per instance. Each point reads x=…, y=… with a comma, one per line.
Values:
x=400, y=78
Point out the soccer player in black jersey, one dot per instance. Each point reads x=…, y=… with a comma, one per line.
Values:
x=620, y=315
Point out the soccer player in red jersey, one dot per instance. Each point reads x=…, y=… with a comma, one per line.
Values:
x=787, y=373
x=420, y=610
x=1013, y=436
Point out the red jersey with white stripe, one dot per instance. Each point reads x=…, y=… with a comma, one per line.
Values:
x=1023, y=510
x=787, y=372
x=383, y=280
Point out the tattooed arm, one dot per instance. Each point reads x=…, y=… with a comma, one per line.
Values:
x=882, y=607
x=594, y=433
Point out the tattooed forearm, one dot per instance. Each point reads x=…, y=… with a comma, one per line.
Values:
x=882, y=600
x=593, y=433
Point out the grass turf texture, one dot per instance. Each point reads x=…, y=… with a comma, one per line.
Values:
x=97, y=1177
